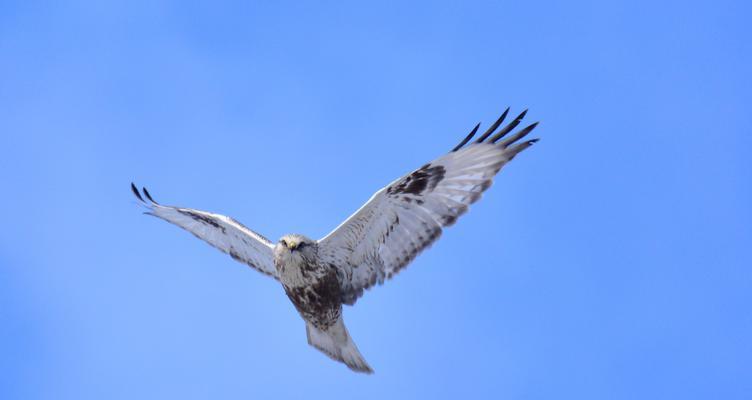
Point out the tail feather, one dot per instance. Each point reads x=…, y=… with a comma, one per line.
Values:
x=336, y=342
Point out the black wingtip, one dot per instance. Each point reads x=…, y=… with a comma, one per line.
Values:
x=522, y=115
x=135, y=192
x=517, y=136
x=148, y=196
x=531, y=126
x=493, y=127
x=472, y=133
x=467, y=138
x=505, y=130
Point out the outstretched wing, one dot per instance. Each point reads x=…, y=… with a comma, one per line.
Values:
x=222, y=232
x=408, y=215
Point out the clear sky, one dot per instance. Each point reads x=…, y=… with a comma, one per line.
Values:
x=610, y=261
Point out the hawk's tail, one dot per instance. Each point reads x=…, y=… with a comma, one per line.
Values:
x=336, y=342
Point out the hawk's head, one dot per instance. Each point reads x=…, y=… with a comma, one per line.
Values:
x=295, y=246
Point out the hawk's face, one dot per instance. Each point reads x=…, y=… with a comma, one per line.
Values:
x=295, y=249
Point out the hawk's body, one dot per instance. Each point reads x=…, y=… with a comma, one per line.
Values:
x=314, y=288
x=382, y=237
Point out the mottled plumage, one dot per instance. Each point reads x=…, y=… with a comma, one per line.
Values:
x=375, y=243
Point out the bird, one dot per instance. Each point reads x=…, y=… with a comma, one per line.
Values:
x=371, y=246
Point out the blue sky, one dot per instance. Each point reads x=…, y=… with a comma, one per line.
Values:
x=612, y=260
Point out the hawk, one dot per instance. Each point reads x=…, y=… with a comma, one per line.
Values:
x=372, y=245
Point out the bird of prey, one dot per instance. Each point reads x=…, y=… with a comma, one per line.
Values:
x=372, y=245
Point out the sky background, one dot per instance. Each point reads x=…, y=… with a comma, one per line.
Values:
x=610, y=261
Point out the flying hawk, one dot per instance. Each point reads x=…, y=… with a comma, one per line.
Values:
x=372, y=245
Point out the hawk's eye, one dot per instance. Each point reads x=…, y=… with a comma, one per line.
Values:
x=302, y=244
x=283, y=241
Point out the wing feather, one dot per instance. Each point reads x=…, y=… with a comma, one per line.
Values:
x=407, y=216
x=223, y=233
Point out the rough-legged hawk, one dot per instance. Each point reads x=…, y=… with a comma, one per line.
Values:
x=375, y=243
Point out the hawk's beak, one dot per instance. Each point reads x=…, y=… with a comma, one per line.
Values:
x=292, y=246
